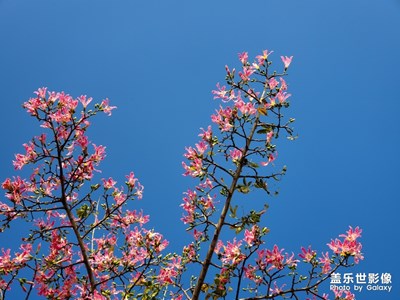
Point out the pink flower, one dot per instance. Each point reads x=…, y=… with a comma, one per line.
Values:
x=262, y=58
x=255, y=66
x=231, y=254
x=189, y=206
x=286, y=61
x=20, y=161
x=16, y=189
x=220, y=93
x=41, y=92
x=6, y=263
x=348, y=295
x=270, y=135
x=82, y=141
x=226, y=126
x=39, y=103
x=85, y=101
x=42, y=138
x=283, y=84
x=207, y=202
x=290, y=261
x=272, y=83
x=189, y=251
x=352, y=235
x=243, y=57
x=349, y=246
x=61, y=115
x=201, y=147
x=119, y=197
x=229, y=72
x=139, y=191
x=106, y=108
x=276, y=290
x=250, y=273
x=223, y=118
x=108, y=183
x=195, y=169
x=271, y=158
x=236, y=155
x=100, y=153
x=326, y=261
x=155, y=239
x=192, y=153
x=251, y=235
x=335, y=246
x=66, y=101
x=24, y=256
x=206, y=184
x=307, y=254
x=246, y=73
x=131, y=180
x=206, y=135
x=252, y=94
x=271, y=103
x=282, y=96
x=52, y=97
x=132, y=217
x=197, y=234
x=166, y=276
x=7, y=185
x=275, y=257
x=170, y=272
x=245, y=108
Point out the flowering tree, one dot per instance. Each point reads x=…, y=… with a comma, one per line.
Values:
x=85, y=242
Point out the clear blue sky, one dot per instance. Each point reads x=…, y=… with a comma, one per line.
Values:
x=158, y=62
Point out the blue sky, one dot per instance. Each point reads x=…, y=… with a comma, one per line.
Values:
x=158, y=62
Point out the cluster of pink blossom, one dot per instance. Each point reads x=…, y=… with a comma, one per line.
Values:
x=231, y=253
x=347, y=295
x=350, y=246
x=85, y=245
x=16, y=189
x=195, y=156
x=169, y=273
x=246, y=131
x=79, y=250
x=272, y=262
x=236, y=155
x=10, y=265
x=246, y=108
x=193, y=201
x=224, y=118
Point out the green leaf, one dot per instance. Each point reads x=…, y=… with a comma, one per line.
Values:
x=233, y=211
x=239, y=229
x=224, y=192
x=83, y=211
x=94, y=186
x=253, y=164
x=262, y=131
x=260, y=184
x=243, y=189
